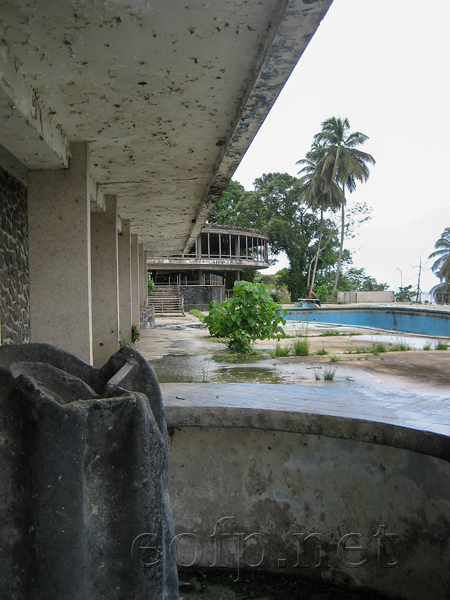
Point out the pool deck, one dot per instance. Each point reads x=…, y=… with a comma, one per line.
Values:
x=416, y=421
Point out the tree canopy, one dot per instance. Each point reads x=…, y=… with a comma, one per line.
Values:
x=441, y=266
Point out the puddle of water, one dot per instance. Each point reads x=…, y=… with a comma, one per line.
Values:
x=239, y=359
x=245, y=375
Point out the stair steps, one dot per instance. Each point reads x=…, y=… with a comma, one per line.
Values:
x=166, y=301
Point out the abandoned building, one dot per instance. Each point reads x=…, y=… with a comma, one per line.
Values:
x=218, y=258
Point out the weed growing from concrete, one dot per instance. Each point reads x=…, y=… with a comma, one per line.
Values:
x=334, y=358
x=378, y=348
x=401, y=347
x=300, y=347
x=329, y=374
x=280, y=351
x=441, y=345
x=321, y=352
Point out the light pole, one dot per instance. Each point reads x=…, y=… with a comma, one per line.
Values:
x=401, y=278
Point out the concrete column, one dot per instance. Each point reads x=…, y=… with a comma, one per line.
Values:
x=142, y=278
x=60, y=255
x=105, y=282
x=124, y=251
x=135, y=280
x=145, y=273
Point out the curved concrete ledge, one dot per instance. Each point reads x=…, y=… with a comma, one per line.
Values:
x=417, y=422
x=345, y=486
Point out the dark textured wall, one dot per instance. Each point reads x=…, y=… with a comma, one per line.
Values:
x=14, y=277
x=199, y=296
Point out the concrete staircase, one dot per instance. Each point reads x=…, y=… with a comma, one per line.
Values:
x=166, y=301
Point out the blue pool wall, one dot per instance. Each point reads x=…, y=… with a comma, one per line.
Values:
x=434, y=323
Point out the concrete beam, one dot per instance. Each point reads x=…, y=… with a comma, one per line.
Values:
x=28, y=128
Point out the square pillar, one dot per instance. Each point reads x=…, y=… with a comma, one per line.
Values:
x=105, y=282
x=60, y=255
x=142, y=277
x=135, y=304
x=145, y=274
x=124, y=251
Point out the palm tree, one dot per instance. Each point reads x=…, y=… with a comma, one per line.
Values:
x=343, y=165
x=312, y=194
x=441, y=265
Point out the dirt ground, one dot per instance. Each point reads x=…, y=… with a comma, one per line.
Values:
x=180, y=350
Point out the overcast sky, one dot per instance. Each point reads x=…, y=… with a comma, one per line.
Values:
x=383, y=64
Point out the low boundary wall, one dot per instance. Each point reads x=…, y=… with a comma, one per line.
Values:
x=357, y=503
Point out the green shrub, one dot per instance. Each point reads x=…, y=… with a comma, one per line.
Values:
x=250, y=314
x=150, y=285
x=135, y=334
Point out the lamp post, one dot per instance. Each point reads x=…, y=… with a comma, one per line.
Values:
x=401, y=278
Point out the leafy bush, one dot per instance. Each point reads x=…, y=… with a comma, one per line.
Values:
x=150, y=285
x=250, y=314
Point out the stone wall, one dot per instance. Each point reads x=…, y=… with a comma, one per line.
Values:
x=199, y=296
x=14, y=275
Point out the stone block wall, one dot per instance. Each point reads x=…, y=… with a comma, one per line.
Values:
x=199, y=296
x=14, y=274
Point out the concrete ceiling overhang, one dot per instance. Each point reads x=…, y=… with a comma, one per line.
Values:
x=169, y=94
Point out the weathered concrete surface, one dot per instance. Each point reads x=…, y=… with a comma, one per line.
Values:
x=169, y=95
x=377, y=516
x=84, y=466
x=362, y=473
x=14, y=271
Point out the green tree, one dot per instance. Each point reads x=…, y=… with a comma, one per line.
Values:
x=441, y=266
x=315, y=196
x=343, y=164
x=274, y=207
x=356, y=280
x=224, y=212
x=250, y=314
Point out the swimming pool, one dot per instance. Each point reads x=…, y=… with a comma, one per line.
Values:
x=435, y=323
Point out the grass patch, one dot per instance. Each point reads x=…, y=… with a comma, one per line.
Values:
x=280, y=351
x=427, y=346
x=300, y=347
x=441, y=345
x=196, y=313
x=329, y=374
x=378, y=348
x=362, y=350
x=321, y=352
x=334, y=358
x=401, y=347
x=330, y=334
